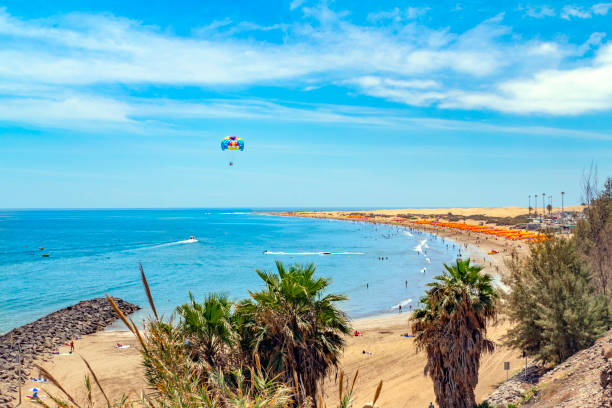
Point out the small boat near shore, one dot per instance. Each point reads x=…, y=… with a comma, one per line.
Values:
x=45, y=255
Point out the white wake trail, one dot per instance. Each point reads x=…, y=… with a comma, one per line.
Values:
x=422, y=244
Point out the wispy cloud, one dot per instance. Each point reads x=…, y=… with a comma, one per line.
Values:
x=398, y=15
x=571, y=11
x=296, y=4
x=601, y=8
x=56, y=67
x=557, y=92
x=164, y=116
x=540, y=12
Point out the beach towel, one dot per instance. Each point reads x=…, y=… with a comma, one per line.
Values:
x=123, y=347
x=39, y=380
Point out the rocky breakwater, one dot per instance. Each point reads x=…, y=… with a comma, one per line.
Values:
x=38, y=339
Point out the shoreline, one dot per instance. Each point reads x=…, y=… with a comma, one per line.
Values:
x=480, y=244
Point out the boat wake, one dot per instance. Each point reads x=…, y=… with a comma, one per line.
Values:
x=419, y=248
x=167, y=244
x=312, y=253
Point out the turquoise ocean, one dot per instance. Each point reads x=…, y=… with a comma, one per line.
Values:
x=94, y=252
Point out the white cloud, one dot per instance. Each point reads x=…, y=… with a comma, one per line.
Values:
x=398, y=15
x=556, y=92
x=485, y=67
x=540, y=12
x=84, y=112
x=570, y=11
x=411, y=92
x=163, y=116
x=575, y=11
x=601, y=8
x=85, y=49
x=296, y=4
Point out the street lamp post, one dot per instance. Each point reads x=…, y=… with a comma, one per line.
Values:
x=530, y=208
x=562, y=203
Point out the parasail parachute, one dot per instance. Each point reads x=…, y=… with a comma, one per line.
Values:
x=232, y=144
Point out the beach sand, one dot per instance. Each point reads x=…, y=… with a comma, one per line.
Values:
x=393, y=360
x=466, y=212
x=120, y=371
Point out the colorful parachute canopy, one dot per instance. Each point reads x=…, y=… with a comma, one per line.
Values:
x=232, y=143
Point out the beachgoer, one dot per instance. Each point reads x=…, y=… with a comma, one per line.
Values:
x=406, y=283
x=367, y=285
x=400, y=308
x=431, y=405
x=71, y=346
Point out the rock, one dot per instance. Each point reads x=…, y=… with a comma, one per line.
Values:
x=606, y=350
x=583, y=380
x=41, y=337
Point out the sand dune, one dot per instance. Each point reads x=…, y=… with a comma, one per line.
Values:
x=489, y=212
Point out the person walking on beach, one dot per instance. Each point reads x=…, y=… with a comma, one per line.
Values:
x=400, y=308
x=71, y=346
x=431, y=405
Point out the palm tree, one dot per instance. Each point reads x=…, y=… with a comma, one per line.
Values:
x=294, y=327
x=451, y=328
x=208, y=327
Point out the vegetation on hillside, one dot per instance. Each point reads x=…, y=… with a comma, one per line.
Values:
x=594, y=234
x=553, y=302
x=559, y=295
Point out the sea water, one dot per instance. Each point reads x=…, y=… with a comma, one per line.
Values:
x=97, y=252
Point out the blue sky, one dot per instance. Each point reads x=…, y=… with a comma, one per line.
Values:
x=340, y=103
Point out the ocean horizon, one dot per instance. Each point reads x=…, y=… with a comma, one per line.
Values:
x=92, y=252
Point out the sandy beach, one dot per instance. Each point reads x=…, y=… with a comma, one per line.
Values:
x=388, y=356
x=393, y=359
